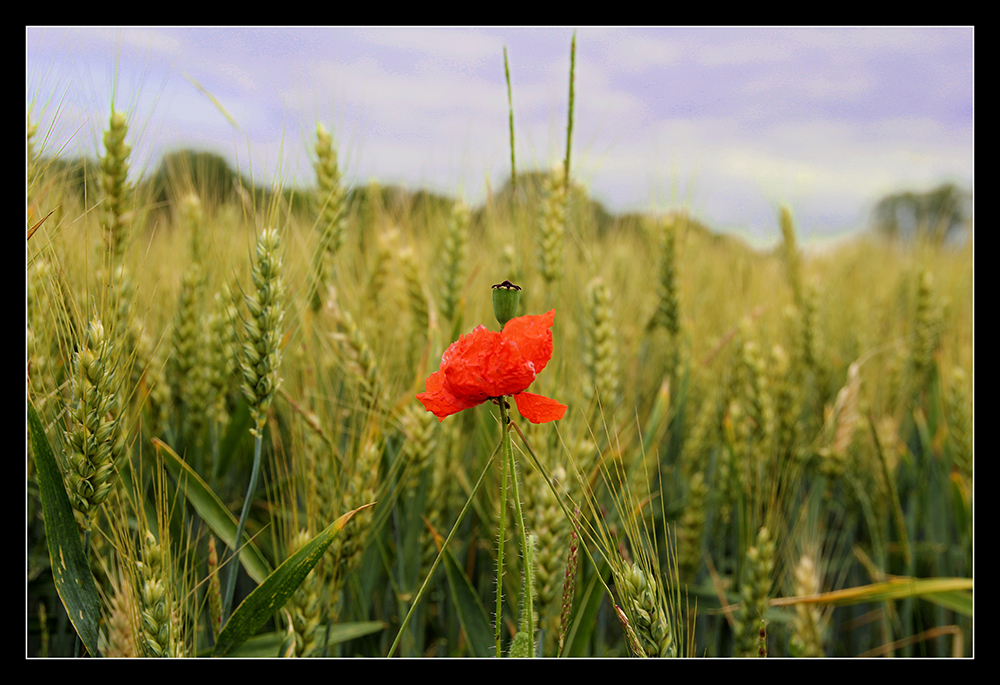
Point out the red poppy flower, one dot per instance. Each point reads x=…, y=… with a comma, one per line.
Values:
x=485, y=364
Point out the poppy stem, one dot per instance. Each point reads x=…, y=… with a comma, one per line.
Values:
x=509, y=464
x=528, y=605
x=505, y=459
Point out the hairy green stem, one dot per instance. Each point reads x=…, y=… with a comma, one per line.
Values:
x=529, y=599
x=506, y=460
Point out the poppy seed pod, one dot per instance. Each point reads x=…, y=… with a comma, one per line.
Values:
x=506, y=295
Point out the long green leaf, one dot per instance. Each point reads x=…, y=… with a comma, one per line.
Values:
x=274, y=591
x=70, y=564
x=959, y=602
x=266, y=645
x=213, y=511
x=471, y=612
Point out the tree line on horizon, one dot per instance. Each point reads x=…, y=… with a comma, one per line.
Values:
x=941, y=215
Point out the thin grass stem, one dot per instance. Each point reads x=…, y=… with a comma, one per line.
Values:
x=227, y=601
x=444, y=546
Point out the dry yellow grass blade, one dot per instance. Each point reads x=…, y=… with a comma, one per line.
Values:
x=31, y=231
x=214, y=100
x=892, y=589
x=958, y=641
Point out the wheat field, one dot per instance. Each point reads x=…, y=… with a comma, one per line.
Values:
x=763, y=453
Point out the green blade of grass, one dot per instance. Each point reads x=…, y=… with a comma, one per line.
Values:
x=237, y=437
x=958, y=601
x=70, y=565
x=582, y=628
x=213, y=511
x=274, y=591
x=267, y=645
x=471, y=612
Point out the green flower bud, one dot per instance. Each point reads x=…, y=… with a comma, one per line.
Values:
x=505, y=298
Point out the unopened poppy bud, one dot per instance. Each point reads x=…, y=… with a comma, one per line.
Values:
x=505, y=298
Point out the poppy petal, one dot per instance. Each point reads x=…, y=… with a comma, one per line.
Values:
x=510, y=372
x=438, y=401
x=485, y=364
x=464, y=364
x=533, y=337
x=537, y=408
x=482, y=365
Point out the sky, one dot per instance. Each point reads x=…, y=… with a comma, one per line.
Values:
x=729, y=123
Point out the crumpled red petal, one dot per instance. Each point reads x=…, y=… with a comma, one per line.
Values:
x=537, y=408
x=533, y=337
x=484, y=364
x=439, y=401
